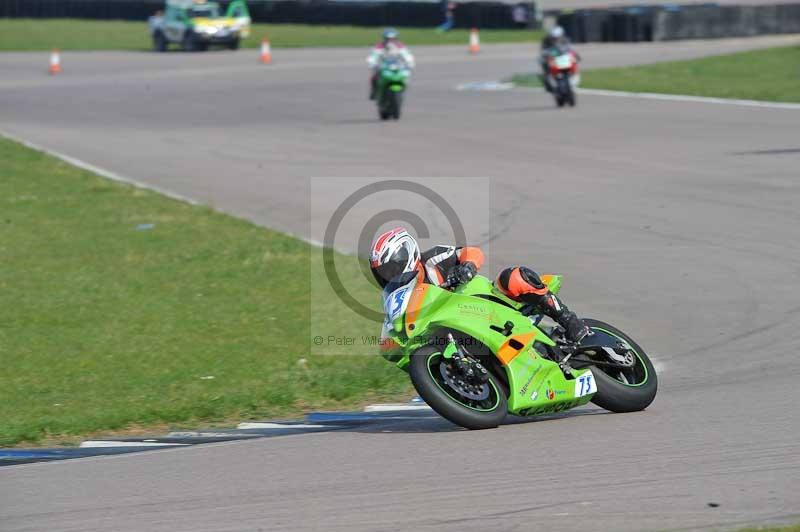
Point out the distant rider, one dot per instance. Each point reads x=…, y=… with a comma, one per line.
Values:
x=396, y=257
x=555, y=39
x=389, y=45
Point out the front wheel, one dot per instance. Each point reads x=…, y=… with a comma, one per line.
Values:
x=627, y=389
x=571, y=99
x=397, y=104
x=472, y=405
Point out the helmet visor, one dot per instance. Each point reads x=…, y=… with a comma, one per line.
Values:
x=395, y=266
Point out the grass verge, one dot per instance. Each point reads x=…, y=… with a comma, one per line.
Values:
x=80, y=34
x=108, y=323
x=769, y=75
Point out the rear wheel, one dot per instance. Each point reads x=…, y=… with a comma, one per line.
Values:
x=627, y=389
x=468, y=403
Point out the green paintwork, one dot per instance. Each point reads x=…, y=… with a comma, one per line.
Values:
x=536, y=385
x=450, y=350
x=392, y=78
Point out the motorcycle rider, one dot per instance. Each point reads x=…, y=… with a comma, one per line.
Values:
x=389, y=45
x=396, y=257
x=555, y=39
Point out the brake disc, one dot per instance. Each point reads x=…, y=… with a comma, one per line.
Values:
x=459, y=383
x=626, y=360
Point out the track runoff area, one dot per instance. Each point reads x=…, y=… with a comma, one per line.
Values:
x=686, y=209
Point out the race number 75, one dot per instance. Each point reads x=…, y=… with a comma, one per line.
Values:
x=584, y=385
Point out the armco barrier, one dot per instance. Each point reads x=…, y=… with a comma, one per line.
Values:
x=482, y=14
x=673, y=22
x=727, y=21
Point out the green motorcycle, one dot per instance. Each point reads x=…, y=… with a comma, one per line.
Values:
x=392, y=79
x=474, y=355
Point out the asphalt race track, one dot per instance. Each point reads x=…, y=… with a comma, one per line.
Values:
x=675, y=220
x=590, y=4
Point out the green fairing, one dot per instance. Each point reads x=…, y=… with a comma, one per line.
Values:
x=392, y=80
x=536, y=385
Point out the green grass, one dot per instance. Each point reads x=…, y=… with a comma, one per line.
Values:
x=771, y=75
x=79, y=34
x=104, y=326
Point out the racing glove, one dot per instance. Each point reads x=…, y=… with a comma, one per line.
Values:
x=462, y=273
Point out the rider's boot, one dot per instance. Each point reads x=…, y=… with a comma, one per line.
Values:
x=575, y=329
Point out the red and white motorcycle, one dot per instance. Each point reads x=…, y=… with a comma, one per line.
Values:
x=563, y=76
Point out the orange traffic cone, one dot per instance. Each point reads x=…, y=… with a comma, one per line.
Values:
x=474, y=41
x=266, y=52
x=55, y=61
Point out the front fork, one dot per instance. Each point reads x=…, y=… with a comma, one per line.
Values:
x=469, y=367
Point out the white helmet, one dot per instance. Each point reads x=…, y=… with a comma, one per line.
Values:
x=557, y=32
x=394, y=253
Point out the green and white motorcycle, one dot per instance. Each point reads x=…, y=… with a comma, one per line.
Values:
x=474, y=355
x=393, y=75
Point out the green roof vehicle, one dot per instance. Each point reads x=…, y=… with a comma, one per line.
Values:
x=196, y=24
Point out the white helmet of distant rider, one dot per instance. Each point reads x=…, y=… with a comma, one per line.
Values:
x=389, y=36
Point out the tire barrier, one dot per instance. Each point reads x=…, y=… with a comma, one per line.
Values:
x=480, y=14
x=674, y=22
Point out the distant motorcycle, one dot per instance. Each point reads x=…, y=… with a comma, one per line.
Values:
x=393, y=77
x=563, y=76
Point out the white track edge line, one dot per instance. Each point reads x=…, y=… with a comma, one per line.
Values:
x=92, y=444
x=113, y=176
x=108, y=174
x=266, y=425
x=688, y=98
x=394, y=407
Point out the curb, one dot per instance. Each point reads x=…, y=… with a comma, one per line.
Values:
x=314, y=422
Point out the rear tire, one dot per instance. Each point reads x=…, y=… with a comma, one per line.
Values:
x=425, y=363
x=613, y=394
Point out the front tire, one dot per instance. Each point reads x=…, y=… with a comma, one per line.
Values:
x=397, y=103
x=571, y=99
x=629, y=390
x=426, y=375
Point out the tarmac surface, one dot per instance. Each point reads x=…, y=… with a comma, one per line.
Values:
x=676, y=221
x=599, y=4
